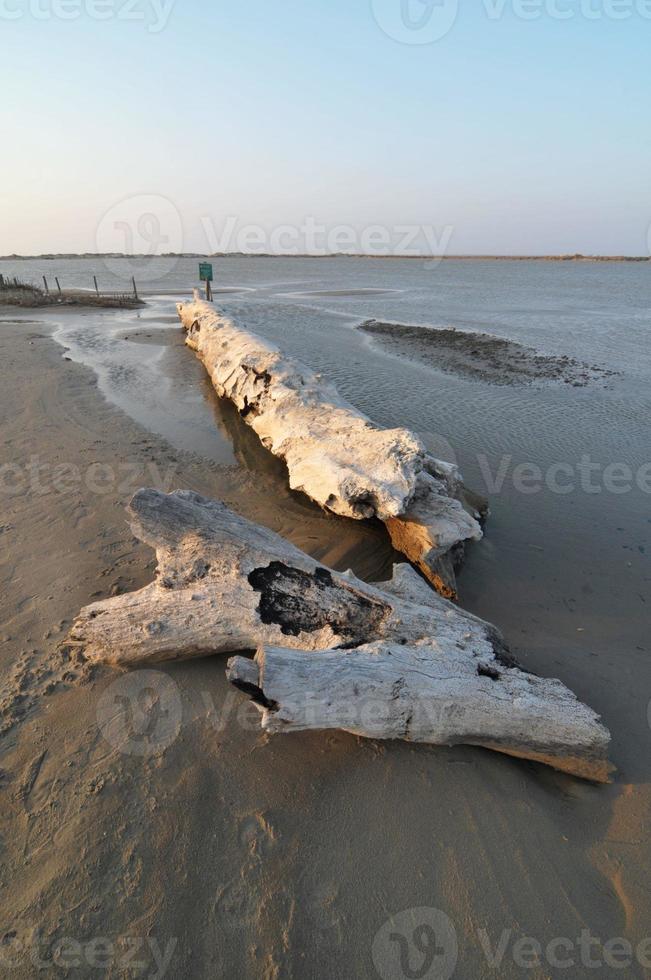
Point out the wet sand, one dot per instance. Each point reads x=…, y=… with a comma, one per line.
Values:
x=238, y=854
x=159, y=338
x=481, y=356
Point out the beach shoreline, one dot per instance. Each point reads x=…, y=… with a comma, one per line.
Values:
x=239, y=852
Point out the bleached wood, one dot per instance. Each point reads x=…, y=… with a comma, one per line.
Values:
x=224, y=584
x=333, y=452
x=421, y=693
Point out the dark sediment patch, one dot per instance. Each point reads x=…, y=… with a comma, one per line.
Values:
x=481, y=356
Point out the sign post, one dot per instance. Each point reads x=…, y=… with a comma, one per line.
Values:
x=205, y=275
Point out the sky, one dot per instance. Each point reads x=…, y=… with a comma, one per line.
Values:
x=437, y=126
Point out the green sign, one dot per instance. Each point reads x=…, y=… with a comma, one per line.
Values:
x=205, y=271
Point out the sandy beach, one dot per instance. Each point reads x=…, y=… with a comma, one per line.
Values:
x=220, y=850
x=325, y=490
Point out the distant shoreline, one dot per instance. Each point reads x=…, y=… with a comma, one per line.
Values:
x=49, y=256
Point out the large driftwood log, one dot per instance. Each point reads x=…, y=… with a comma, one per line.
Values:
x=420, y=693
x=333, y=452
x=392, y=661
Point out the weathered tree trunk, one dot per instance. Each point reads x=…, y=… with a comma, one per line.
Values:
x=336, y=652
x=420, y=693
x=334, y=454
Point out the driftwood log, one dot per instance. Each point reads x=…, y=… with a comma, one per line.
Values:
x=389, y=661
x=333, y=452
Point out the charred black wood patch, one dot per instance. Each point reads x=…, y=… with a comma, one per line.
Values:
x=502, y=653
x=304, y=602
x=256, y=694
x=484, y=670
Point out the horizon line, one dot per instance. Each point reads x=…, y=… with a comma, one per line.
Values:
x=558, y=257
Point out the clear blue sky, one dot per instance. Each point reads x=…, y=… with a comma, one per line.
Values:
x=517, y=135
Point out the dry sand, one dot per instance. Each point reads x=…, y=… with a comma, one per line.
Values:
x=221, y=852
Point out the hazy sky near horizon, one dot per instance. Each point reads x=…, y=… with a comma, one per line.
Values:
x=483, y=126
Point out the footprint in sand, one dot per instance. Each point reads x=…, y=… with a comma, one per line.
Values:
x=237, y=903
x=256, y=835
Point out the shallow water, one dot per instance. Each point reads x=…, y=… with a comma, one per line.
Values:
x=564, y=567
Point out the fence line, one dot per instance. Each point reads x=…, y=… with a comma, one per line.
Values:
x=11, y=284
x=8, y=283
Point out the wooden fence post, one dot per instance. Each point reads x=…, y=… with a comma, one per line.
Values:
x=58, y=286
x=135, y=291
x=45, y=283
x=96, y=286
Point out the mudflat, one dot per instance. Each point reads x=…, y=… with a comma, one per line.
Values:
x=481, y=356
